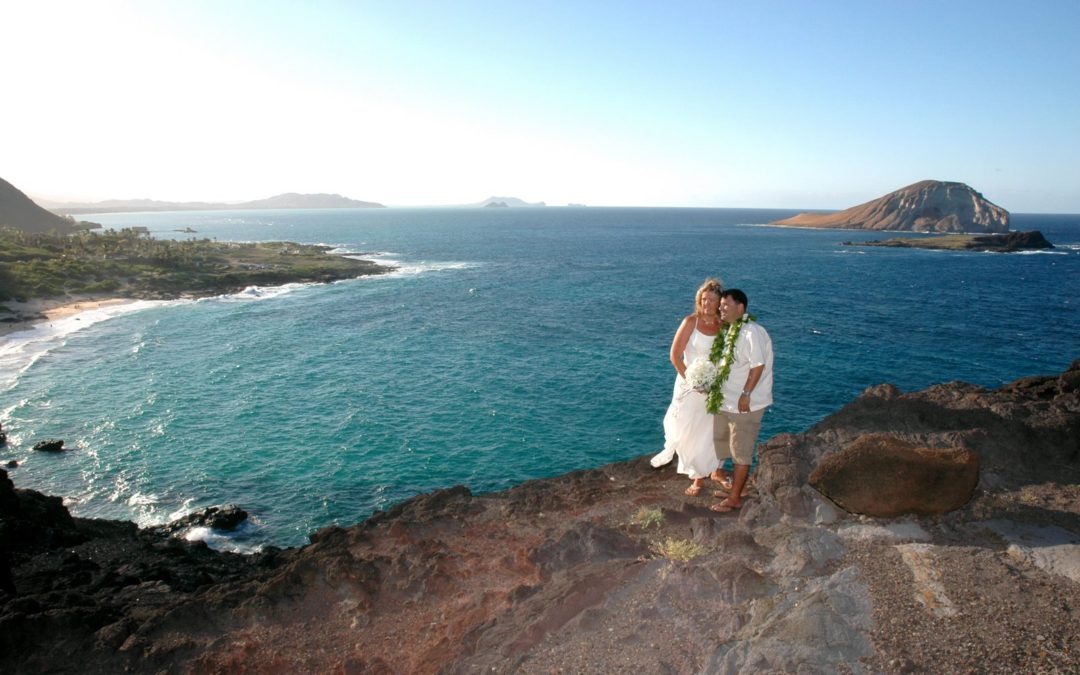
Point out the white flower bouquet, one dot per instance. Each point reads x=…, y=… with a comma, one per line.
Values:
x=701, y=374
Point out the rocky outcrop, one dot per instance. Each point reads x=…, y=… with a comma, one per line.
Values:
x=926, y=206
x=606, y=570
x=50, y=445
x=1011, y=242
x=223, y=518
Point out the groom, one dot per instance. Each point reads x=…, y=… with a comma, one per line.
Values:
x=747, y=392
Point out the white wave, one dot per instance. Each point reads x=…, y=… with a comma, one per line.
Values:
x=21, y=350
x=139, y=499
x=232, y=542
x=409, y=269
x=1039, y=252
x=185, y=508
x=252, y=293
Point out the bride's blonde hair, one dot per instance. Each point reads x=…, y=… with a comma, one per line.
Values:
x=709, y=285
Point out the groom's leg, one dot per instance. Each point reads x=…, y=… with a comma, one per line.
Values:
x=744, y=432
x=721, y=436
x=721, y=445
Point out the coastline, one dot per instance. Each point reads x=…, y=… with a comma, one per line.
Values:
x=27, y=315
x=593, y=569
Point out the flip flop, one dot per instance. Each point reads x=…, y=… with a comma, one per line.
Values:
x=724, y=494
x=724, y=481
x=724, y=507
x=693, y=490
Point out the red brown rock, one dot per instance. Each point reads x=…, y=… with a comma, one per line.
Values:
x=562, y=574
x=885, y=476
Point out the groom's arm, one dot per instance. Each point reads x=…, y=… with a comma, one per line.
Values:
x=751, y=382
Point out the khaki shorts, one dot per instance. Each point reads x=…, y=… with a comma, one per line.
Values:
x=735, y=434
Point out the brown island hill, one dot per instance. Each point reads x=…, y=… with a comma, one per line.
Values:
x=928, y=532
x=926, y=206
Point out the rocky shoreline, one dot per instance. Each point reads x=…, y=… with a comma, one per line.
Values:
x=1011, y=242
x=609, y=570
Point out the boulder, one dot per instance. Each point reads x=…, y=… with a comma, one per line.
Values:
x=885, y=476
x=224, y=518
x=51, y=445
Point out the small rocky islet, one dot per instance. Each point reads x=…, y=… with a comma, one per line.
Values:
x=975, y=567
x=1011, y=242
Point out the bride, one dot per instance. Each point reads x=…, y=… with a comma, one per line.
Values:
x=688, y=427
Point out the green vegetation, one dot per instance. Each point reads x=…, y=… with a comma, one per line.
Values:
x=646, y=518
x=679, y=549
x=131, y=264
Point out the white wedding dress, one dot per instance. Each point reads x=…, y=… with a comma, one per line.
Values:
x=688, y=427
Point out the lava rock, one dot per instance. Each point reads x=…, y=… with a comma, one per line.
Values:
x=224, y=518
x=884, y=476
x=51, y=445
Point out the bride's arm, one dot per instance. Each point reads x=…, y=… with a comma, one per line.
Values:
x=678, y=345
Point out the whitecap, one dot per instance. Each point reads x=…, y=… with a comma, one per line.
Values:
x=423, y=267
x=232, y=542
x=140, y=499
x=22, y=349
x=252, y=293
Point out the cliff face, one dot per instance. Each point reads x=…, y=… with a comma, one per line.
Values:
x=926, y=206
x=610, y=570
x=20, y=212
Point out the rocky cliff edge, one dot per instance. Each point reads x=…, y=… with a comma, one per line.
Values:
x=614, y=570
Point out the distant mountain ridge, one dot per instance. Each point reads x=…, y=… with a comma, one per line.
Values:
x=288, y=200
x=21, y=213
x=926, y=206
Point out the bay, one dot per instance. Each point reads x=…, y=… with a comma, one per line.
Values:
x=511, y=344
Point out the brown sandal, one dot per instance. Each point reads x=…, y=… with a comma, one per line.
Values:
x=724, y=507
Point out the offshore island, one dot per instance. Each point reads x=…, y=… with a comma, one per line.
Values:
x=958, y=217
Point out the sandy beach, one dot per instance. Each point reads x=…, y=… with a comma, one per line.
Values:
x=25, y=314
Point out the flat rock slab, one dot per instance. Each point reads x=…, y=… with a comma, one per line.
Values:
x=901, y=531
x=1048, y=547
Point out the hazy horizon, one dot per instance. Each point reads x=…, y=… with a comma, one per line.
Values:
x=780, y=105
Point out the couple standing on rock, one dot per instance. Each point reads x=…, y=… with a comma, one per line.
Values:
x=706, y=425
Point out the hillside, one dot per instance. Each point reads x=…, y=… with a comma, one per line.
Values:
x=926, y=206
x=21, y=213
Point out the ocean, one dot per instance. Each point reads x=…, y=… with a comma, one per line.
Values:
x=509, y=344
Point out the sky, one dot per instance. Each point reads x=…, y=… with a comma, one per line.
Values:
x=784, y=104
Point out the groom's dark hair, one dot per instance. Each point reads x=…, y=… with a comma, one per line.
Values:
x=736, y=295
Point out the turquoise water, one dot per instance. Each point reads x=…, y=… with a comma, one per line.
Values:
x=511, y=344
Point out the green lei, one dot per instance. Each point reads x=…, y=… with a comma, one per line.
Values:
x=723, y=349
